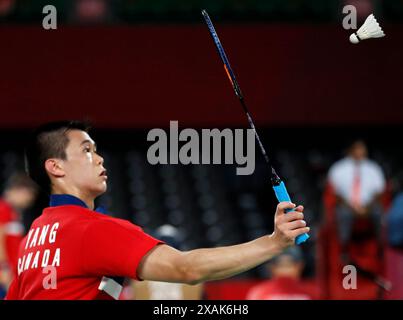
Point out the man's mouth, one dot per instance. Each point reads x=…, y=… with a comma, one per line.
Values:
x=103, y=173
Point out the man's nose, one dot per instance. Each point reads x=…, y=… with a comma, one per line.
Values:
x=100, y=160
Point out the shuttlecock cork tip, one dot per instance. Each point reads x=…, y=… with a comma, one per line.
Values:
x=354, y=39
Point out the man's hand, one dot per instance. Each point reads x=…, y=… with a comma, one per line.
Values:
x=288, y=226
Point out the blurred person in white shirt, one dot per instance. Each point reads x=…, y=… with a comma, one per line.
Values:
x=358, y=183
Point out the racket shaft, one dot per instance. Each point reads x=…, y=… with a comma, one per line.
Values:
x=223, y=56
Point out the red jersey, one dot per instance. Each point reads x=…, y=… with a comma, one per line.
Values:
x=82, y=249
x=14, y=232
x=279, y=289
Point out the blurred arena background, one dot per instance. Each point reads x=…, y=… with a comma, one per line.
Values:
x=132, y=65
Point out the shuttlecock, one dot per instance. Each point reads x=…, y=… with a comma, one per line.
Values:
x=370, y=29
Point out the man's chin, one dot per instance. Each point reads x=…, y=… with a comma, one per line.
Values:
x=100, y=191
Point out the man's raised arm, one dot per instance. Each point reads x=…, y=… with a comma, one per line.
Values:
x=164, y=263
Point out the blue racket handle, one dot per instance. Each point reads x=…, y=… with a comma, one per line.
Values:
x=282, y=195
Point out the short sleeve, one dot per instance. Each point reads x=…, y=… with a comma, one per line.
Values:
x=114, y=248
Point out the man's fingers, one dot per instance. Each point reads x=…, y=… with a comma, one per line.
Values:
x=291, y=216
x=299, y=208
x=295, y=233
x=295, y=224
x=283, y=206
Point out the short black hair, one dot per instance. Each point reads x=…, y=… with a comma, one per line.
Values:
x=48, y=141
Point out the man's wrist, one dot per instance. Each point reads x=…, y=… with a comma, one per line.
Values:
x=276, y=246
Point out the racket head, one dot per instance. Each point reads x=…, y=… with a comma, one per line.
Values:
x=223, y=56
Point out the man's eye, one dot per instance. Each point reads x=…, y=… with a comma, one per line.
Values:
x=87, y=149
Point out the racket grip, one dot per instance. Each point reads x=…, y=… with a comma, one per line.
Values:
x=282, y=195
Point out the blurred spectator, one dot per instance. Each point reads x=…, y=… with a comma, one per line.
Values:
x=285, y=271
x=395, y=222
x=19, y=194
x=358, y=183
x=155, y=290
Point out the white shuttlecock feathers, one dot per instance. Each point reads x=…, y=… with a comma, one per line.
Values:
x=370, y=29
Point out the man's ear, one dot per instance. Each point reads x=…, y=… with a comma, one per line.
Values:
x=55, y=167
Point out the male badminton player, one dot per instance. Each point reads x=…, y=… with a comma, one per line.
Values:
x=74, y=252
